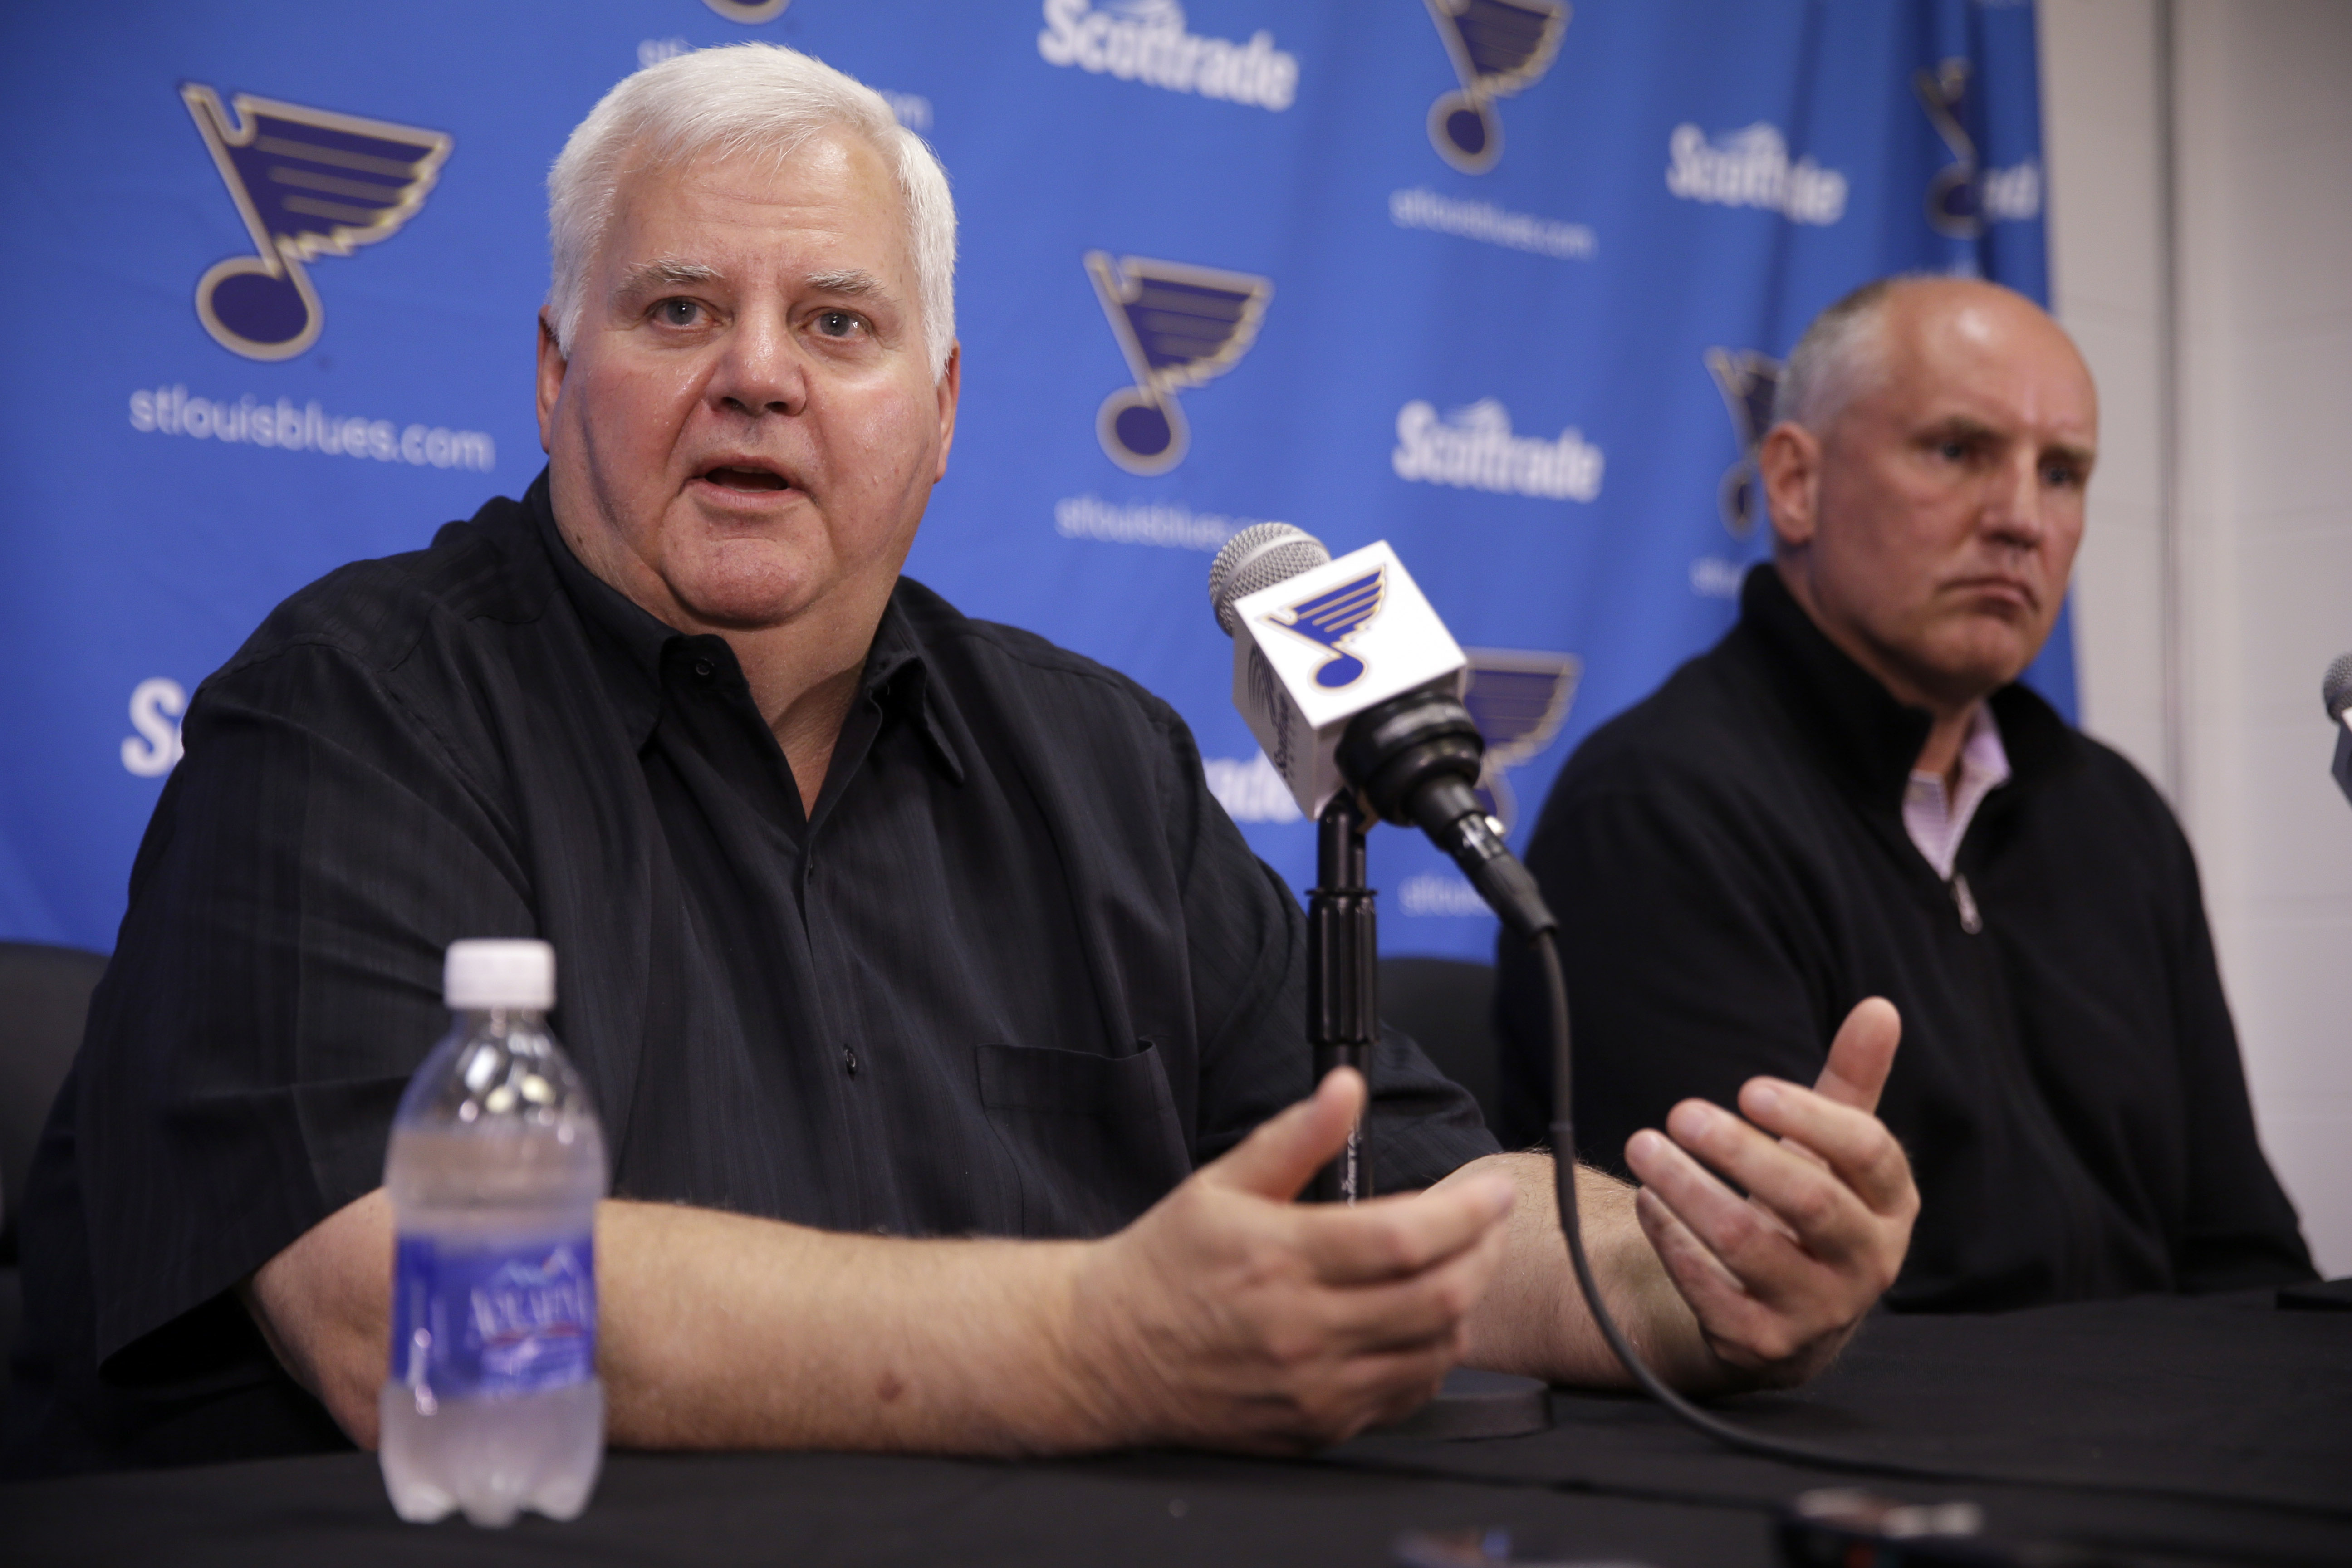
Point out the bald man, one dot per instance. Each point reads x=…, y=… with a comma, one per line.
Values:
x=1850, y=796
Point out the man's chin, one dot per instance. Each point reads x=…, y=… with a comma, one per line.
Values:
x=752, y=587
x=1981, y=661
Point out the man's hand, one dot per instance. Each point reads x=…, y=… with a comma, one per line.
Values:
x=1231, y=1317
x=1779, y=1280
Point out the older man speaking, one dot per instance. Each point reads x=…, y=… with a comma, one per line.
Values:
x=945, y=1033
x=1849, y=797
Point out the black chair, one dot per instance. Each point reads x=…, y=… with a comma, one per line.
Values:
x=1446, y=1006
x=44, y=1001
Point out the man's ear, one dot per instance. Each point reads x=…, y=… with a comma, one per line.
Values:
x=1789, y=461
x=551, y=366
x=950, y=387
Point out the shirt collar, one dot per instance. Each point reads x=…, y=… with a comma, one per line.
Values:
x=1937, y=818
x=1870, y=738
x=896, y=677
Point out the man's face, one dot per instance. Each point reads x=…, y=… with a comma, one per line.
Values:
x=746, y=429
x=1935, y=519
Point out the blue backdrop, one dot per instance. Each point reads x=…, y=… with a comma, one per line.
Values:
x=1501, y=281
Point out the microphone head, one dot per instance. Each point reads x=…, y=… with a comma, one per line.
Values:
x=1259, y=557
x=2335, y=687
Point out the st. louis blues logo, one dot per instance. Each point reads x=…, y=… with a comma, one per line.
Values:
x=1331, y=617
x=1520, y=701
x=1497, y=46
x=1955, y=204
x=1747, y=381
x=1178, y=326
x=307, y=183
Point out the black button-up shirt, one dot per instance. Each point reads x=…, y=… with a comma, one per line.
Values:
x=1015, y=974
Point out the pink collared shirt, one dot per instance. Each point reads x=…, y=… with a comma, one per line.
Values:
x=1938, y=821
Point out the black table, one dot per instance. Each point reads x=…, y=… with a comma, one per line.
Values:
x=2153, y=1430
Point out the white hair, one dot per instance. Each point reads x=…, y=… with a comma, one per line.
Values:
x=754, y=100
x=1841, y=355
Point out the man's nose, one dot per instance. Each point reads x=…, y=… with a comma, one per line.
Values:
x=760, y=369
x=2014, y=502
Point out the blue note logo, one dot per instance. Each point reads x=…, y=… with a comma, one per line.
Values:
x=1748, y=381
x=1331, y=617
x=309, y=183
x=1498, y=48
x=1178, y=326
x=1963, y=197
x=1520, y=701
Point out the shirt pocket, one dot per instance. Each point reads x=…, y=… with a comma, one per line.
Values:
x=1094, y=1139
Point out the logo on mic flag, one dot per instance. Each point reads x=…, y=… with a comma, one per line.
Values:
x=1749, y=381
x=1498, y=48
x=1318, y=646
x=1330, y=618
x=1519, y=699
x=1178, y=326
x=309, y=183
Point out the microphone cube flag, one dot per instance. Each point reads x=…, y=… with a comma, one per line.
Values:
x=1314, y=650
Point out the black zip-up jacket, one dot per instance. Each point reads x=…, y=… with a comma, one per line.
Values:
x=1731, y=871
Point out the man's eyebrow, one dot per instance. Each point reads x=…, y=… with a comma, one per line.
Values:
x=852, y=283
x=1965, y=427
x=665, y=273
x=1958, y=425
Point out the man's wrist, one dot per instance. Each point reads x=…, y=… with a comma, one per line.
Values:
x=1088, y=1328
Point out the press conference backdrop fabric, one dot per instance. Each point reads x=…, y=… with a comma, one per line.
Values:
x=1504, y=282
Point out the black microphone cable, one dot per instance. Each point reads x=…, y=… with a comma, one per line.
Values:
x=1564, y=1142
x=1563, y=1138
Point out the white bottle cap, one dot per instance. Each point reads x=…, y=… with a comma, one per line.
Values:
x=482, y=973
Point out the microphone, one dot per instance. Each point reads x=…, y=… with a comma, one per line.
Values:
x=1349, y=681
x=2335, y=691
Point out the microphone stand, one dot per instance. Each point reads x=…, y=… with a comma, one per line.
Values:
x=1343, y=1025
x=1343, y=985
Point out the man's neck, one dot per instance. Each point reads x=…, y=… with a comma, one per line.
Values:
x=1947, y=739
x=1948, y=733
x=804, y=672
x=806, y=716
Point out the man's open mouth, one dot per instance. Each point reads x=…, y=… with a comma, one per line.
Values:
x=734, y=479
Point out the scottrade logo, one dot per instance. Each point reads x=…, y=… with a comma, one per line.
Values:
x=1474, y=448
x=1751, y=168
x=1749, y=381
x=1149, y=41
x=307, y=183
x=1329, y=618
x=1498, y=48
x=1178, y=326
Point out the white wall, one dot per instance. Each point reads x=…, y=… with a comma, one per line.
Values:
x=2237, y=564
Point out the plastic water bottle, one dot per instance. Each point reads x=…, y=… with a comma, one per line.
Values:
x=495, y=1164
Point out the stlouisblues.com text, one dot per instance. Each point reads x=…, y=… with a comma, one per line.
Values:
x=305, y=428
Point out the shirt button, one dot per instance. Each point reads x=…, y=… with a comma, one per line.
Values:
x=702, y=669
x=849, y=1061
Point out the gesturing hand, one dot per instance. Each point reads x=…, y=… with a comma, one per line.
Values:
x=1780, y=1278
x=1229, y=1316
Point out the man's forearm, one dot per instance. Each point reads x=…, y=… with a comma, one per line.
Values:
x=1533, y=1318
x=720, y=1330
x=1226, y=1316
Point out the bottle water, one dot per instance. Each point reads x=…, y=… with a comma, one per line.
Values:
x=495, y=1167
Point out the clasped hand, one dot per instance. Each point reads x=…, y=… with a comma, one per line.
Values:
x=1231, y=1317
